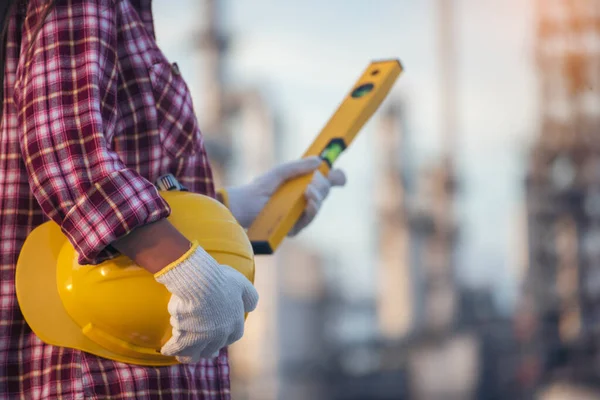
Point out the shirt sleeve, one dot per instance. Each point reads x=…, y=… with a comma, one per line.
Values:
x=66, y=97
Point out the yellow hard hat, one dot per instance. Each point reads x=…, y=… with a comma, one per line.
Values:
x=116, y=309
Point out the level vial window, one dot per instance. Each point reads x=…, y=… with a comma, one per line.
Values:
x=332, y=152
x=362, y=90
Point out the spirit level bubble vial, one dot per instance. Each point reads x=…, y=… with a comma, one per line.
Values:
x=287, y=204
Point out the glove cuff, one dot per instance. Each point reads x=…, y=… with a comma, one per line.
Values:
x=195, y=271
x=193, y=246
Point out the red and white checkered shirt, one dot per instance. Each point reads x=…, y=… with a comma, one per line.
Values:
x=93, y=114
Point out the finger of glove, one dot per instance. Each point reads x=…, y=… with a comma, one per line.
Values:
x=188, y=359
x=184, y=315
x=313, y=194
x=184, y=347
x=294, y=169
x=237, y=333
x=177, y=308
x=196, y=357
x=310, y=212
x=211, y=350
x=249, y=292
x=249, y=296
x=337, y=177
x=318, y=189
x=177, y=343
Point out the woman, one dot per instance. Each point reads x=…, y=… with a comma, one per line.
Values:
x=92, y=115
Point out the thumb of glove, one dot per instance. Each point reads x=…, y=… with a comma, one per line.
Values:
x=284, y=172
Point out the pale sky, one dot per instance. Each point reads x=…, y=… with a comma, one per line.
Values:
x=307, y=54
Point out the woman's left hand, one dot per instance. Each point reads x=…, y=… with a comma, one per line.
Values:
x=246, y=202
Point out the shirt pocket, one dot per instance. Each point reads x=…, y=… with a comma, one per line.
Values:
x=177, y=125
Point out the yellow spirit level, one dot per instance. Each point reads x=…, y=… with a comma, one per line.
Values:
x=287, y=204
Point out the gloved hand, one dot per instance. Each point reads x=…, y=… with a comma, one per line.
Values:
x=207, y=305
x=246, y=202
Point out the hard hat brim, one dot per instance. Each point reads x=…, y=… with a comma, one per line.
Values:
x=36, y=279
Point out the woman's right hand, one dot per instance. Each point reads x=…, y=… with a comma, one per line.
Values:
x=208, y=305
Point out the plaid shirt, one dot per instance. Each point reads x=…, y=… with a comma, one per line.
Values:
x=93, y=113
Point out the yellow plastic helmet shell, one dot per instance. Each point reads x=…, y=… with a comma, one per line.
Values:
x=116, y=309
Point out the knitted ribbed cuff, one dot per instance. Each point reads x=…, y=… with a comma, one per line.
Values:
x=195, y=271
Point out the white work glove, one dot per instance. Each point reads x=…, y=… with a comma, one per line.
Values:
x=246, y=202
x=207, y=305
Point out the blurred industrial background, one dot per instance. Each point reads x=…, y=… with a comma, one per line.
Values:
x=462, y=260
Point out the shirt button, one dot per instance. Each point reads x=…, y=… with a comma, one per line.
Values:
x=175, y=69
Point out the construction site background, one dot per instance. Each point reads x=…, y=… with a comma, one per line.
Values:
x=462, y=260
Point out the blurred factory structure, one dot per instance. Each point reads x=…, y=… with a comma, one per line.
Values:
x=429, y=344
x=558, y=318
x=436, y=338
